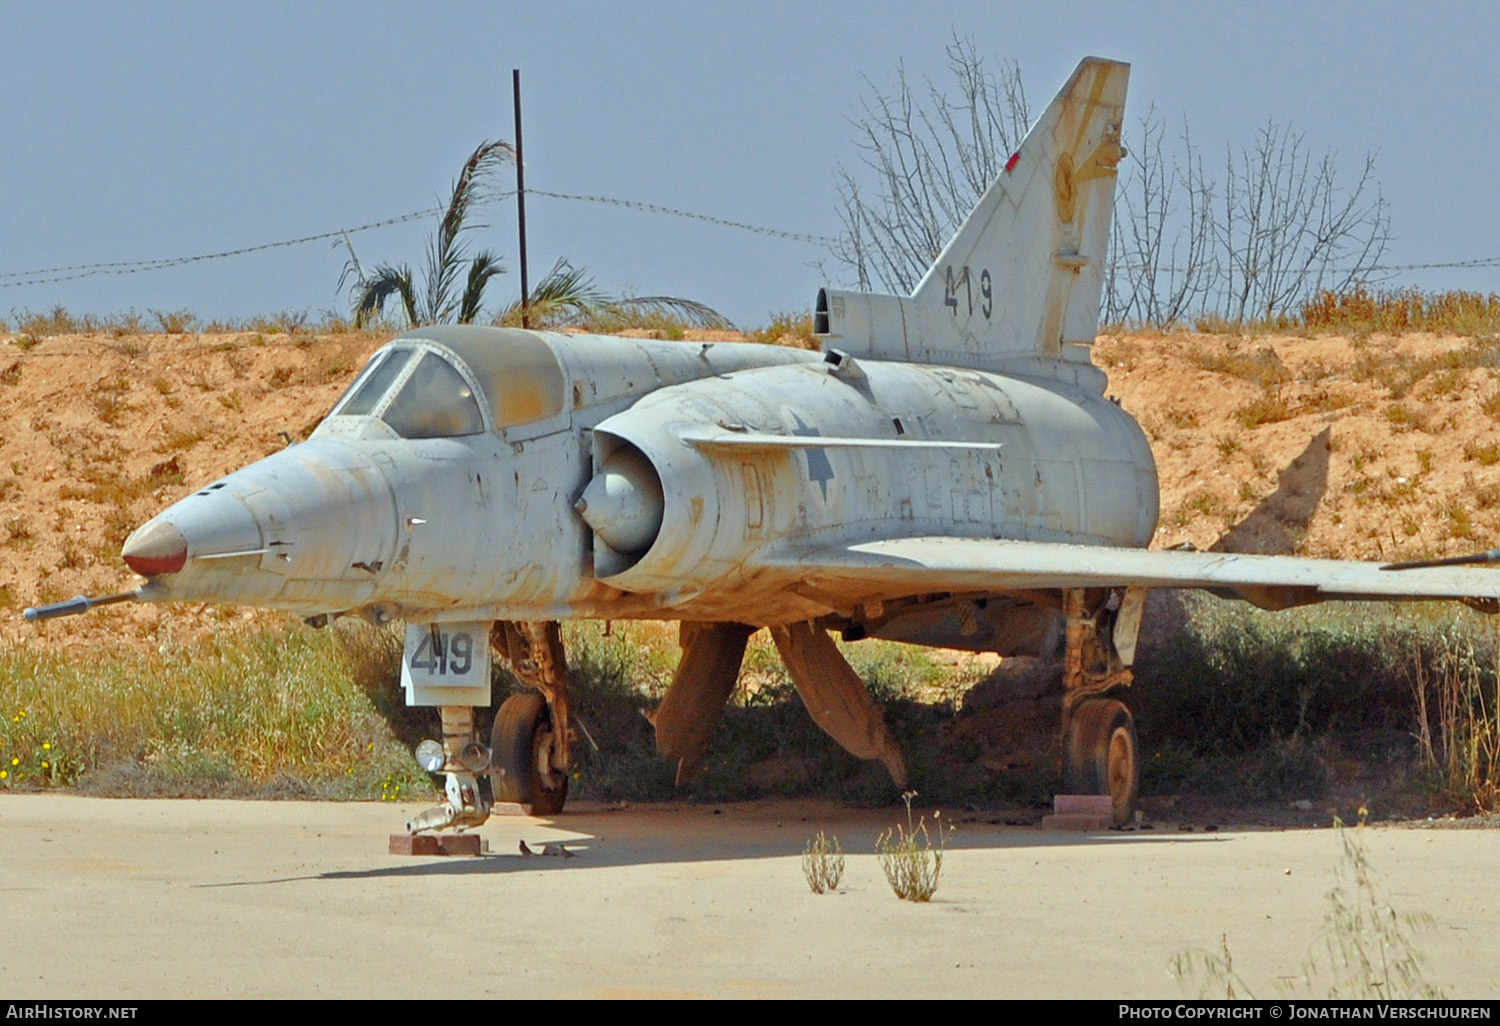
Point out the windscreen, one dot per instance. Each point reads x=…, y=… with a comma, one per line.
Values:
x=435, y=402
x=367, y=389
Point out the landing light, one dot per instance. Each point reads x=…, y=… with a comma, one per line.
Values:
x=430, y=756
x=475, y=757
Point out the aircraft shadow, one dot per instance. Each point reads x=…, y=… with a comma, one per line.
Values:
x=1275, y=526
x=606, y=841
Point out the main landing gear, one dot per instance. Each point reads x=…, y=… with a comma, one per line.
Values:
x=529, y=742
x=1100, y=751
x=522, y=742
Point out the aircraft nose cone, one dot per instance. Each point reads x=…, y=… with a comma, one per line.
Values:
x=155, y=549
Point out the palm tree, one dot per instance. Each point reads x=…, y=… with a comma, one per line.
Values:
x=439, y=301
x=568, y=296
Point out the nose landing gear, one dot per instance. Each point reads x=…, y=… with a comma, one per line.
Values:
x=528, y=759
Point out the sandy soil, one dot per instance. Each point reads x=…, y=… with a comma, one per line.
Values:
x=160, y=899
x=1382, y=449
x=98, y=434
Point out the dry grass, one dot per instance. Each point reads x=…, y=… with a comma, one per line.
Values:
x=1182, y=418
x=1362, y=312
x=823, y=863
x=787, y=329
x=1458, y=725
x=913, y=867
x=1485, y=454
x=1261, y=366
x=104, y=484
x=60, y=321
x=179, y=439
x=1267, y=408
x=1404, y=418
x=1365, y=951
x=17, y=531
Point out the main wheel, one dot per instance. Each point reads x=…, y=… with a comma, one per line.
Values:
x=521, y=746
x=1101, y=755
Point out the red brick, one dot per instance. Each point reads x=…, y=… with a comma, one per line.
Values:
x=437, y=844
x=414, y=844
x=1084, y=804
x=458, y=844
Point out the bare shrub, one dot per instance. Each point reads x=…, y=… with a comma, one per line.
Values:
x=932, y=154
x=1279, y=230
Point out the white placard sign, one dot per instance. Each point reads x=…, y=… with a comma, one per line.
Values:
x=446, y=664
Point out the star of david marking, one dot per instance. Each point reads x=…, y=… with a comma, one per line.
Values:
x=818, y=467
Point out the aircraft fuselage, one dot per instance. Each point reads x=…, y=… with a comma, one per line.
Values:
x=748, y=447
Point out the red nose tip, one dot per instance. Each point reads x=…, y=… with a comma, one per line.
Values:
x=157, y=549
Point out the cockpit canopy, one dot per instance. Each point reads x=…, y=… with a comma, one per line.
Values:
x=435, y=382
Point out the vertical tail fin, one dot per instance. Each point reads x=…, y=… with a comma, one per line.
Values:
x=1023, y=275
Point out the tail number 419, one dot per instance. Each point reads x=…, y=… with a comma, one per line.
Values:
x=959, y=289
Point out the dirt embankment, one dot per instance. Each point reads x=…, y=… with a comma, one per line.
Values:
x=1327, y=446
x=98, y=434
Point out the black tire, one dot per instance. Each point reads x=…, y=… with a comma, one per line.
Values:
x=1103, y=755
x=520, y=724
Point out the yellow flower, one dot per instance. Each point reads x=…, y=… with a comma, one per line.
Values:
x=46, y=765
x=4, y=774
x=46, y=746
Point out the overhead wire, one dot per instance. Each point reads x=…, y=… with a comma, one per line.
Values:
x=73, y=272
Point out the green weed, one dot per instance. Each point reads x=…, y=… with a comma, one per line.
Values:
x=269, y=712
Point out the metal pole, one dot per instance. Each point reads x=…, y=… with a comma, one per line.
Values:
x=515, y=82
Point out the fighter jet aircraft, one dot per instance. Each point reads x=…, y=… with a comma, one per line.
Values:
x=948, y=471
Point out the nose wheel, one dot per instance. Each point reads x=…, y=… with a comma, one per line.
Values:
x=1102, y=754
x=522, y=743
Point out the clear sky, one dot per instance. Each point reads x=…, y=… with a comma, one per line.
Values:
x=135, y=131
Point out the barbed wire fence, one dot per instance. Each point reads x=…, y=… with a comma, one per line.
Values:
x=73, y=272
